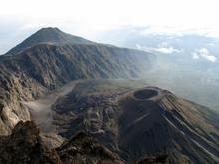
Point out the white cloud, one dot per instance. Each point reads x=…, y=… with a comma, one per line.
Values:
x=91, y=18
x=167, y=50
x=204, y=54
x=105, y=14
x=195, y=56
x=163, y=48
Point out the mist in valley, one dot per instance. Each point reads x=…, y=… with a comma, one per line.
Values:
x=186, y=64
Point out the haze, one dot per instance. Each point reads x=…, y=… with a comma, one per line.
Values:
x=91, y=19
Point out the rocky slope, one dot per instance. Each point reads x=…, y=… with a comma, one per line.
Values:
x=49, y=59
x=130, y=123
x=25, y=145
x=140, y=122
x=84, y=149
x=147, y=125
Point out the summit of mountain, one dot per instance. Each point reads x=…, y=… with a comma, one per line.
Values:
x=48, y=35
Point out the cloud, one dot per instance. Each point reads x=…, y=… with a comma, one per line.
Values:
x=195, y=56
x=167, y=50
x=204, y=54
x=163, y=48
x=93, y=18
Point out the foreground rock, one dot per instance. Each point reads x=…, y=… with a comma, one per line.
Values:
x=25, y=146
x=84, y=149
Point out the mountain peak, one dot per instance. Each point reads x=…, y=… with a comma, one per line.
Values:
x=50, y=35
x=49, y=30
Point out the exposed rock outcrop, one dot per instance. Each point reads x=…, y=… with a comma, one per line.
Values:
x=25, y=146
x=82, y=148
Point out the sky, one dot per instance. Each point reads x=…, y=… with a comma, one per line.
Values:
x=90, y=18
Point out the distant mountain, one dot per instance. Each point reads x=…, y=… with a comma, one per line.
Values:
x=49, y=59
x=138, y=123
x=48, y=36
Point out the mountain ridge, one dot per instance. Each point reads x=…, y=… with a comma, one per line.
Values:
x=36, y=70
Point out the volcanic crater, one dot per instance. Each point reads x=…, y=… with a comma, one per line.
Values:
x=146, y=94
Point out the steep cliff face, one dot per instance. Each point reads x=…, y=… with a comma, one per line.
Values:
x=51, y=58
